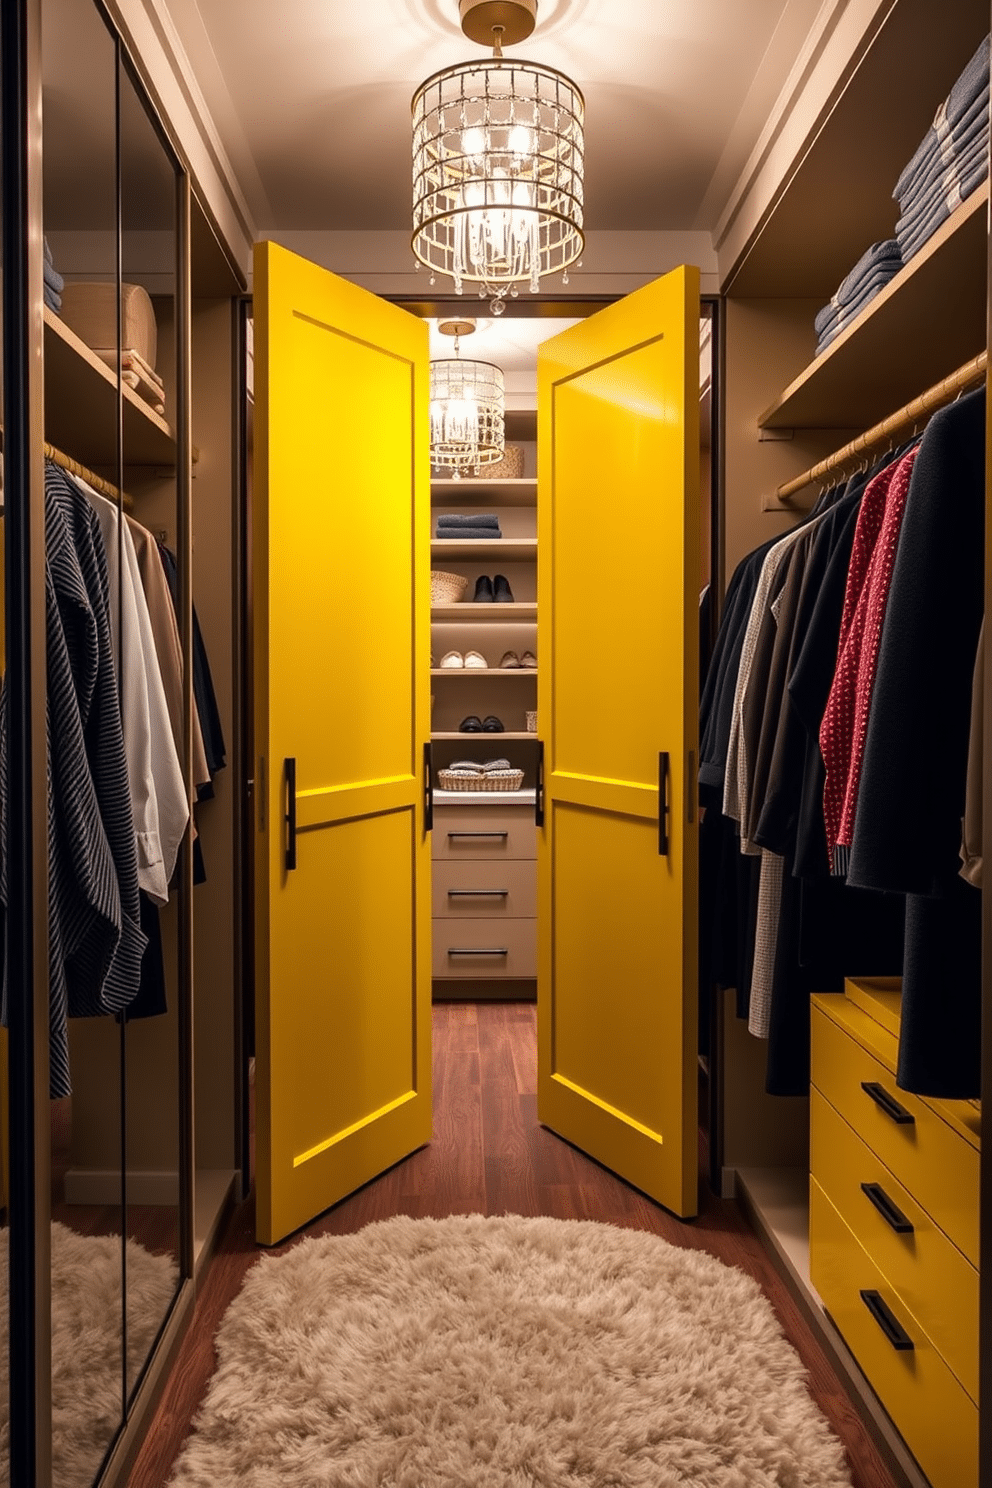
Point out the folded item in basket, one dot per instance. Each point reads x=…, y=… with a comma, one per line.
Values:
x=971, y=84
x=880, y=258
x=469, y=519
x=941, y=180
x=942, y=209
x=479, y=767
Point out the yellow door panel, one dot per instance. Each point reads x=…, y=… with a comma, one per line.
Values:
x=341, y=622
x=618, y=595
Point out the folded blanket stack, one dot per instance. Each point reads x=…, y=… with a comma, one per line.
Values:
x=54, y=284
x=952, y=159
x=872, y=272
x=484, y=525
x=137, y=373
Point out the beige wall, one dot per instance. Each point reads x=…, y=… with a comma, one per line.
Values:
x=768, y=342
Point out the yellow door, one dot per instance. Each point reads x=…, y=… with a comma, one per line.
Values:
x=341, y=640
x=618, y=597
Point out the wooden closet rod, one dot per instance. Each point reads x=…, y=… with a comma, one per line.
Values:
x=66, y=462
x=971, y=375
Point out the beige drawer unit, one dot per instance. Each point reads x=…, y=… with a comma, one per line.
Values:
x=466, y=832
x=484, y=893
x=894, y=1228
x=485, y=948
x=502, y=891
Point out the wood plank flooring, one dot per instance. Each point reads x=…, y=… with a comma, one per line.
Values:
x=489, y=1156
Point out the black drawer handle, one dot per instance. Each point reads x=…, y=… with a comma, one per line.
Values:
x=479, y=951
x=502, y=835
x=887, y=1321
x=478, y=893
x=890, y=1212
x=887, y=1102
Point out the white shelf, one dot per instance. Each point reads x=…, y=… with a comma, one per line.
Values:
x=510, y=548
x=484, y=671
x=471, y=613
x=514, y=737
x=484, y=798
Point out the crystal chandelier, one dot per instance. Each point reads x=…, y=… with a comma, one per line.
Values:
x=466, y=408
x=497, y=163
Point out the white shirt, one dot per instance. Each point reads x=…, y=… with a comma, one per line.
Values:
x=159, y=801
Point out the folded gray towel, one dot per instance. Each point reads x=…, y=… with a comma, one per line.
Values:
x=973, y=81
x=53, y=279
x=461, y=533
x=52, y=300
x=862, y=282
x=942, y=148
x=942, y=183
x=469, y=519
x=912, y=242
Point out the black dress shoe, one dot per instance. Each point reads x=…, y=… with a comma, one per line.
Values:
x=492, y=725
x=502, y=593
x=472, y=725
x=483, y=590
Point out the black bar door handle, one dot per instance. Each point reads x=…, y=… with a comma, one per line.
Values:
x=887, y=1103
x=664, y=773
x=539, y=793
x=290, y=769
x=428, y=787
x=890, y=1212
x=887, y=1321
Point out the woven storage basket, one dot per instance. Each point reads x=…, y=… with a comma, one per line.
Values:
x=447, y=588
x=510, y=467
x=497, y=780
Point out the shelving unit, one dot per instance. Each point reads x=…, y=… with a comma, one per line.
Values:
x=510, y=548
x=484, y=672
x=80, y=405
x=468, y=613
x=899, y=344
x=479, y=492
x=514, y=736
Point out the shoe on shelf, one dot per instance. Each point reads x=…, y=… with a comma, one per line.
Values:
x=471, y=725
x=528, y=659
x=502, y=593
x=483, y=590
x=491, y=725
x=510, y=659
x=452, y=659
x=476, y=659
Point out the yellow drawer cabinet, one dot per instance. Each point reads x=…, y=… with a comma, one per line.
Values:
x=894, y=1228
x=484, y=892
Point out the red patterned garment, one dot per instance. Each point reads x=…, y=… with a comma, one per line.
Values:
x=845, y=721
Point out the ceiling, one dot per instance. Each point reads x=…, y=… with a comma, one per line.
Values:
x=312, y=98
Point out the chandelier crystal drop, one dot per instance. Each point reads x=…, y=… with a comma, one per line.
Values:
x=498, y=174
x=467, y=414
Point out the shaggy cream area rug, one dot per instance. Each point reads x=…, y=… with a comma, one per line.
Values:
x=504, y=1353
x=87, y=1385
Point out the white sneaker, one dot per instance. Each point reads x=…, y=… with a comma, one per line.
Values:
x=452, y=659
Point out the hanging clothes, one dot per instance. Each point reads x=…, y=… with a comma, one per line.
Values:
x=911, y=797
x=203, y=687
x=95, y=939
x=159, y=802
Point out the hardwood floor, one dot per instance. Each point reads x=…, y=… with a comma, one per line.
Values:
x=489, y=1156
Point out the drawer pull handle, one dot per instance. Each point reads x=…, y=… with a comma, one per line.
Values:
x=289, y=767
x=887, y=1102
x=890, y=1212
x=478, y=893
x=502, y=835
x=887, y=1321
x=478, y=951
